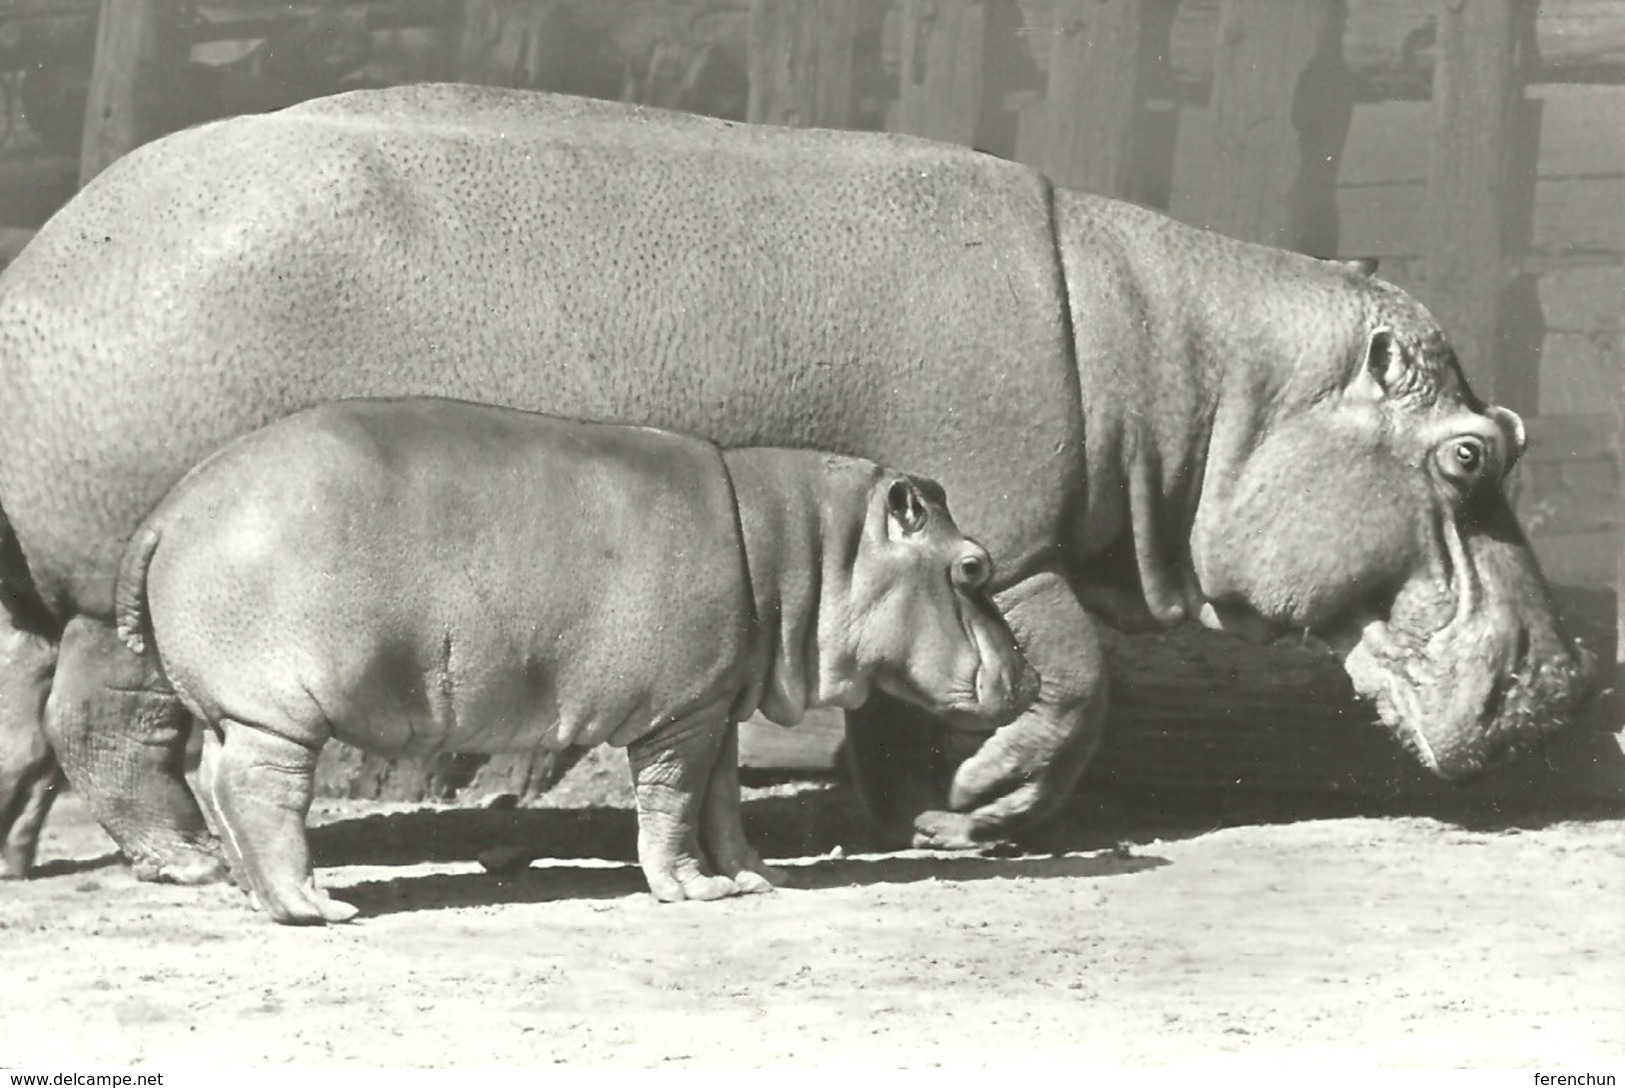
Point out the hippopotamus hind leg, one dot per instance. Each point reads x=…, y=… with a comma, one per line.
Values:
x=671, y=768
x=262, y=784
x=29, y=775
x=121, y=736
x=207, y=789
x=722, y=830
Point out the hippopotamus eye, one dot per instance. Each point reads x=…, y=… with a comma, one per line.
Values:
x=972, y=572
x=1463, y=459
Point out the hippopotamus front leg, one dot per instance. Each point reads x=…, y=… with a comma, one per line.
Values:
x=121, y=735
x=671, y=771
x=722, y=830
x=29, y=775
x=1024, y=771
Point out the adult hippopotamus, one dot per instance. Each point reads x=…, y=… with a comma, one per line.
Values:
x=1142, y=421
x=415, y=576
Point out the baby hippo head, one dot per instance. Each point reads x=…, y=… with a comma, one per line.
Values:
x=923, y=624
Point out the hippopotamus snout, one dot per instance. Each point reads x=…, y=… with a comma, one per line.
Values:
x=1005, y=683
x=1473, y=675
x=947, y=645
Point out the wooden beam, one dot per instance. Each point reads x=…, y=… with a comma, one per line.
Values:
x=1389, y=45
x=801, y=54
x=1282, y=102
x=1104, y=56
x=128, y=43
x=1472, y=263
x=940, y=92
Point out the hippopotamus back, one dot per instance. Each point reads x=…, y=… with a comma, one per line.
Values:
x=476, y=240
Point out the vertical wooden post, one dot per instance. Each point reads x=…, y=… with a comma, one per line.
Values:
x=128, y=41
x=1101, y=62
x=1282, y=102
x=941, y=92
x=801, y=62
x=1472, y=263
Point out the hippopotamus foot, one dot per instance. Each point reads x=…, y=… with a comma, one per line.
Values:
x=1023, y=772
x=722, y=829
x=29, y=775
x=260, y=786
x=121, y=736
x=671, y=770
x=906, y=764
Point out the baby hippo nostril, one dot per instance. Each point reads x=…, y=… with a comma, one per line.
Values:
x=972, y=571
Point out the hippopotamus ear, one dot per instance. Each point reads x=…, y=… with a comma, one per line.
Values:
x=1384, y=367
x=1511, y=424
x=904, y=505
x=1360, y=266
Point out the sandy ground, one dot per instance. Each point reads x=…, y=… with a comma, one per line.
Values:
x=1360, y=940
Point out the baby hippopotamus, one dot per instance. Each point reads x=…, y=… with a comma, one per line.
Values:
x=421, y=575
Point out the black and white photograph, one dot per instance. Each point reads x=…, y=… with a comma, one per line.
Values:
x=1078, y=537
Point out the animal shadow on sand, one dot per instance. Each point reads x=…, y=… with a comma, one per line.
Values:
x=74, y=866
x=603, y=839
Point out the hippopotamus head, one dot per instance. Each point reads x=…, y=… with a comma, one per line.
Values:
x=1357, y=494
x=924, y=627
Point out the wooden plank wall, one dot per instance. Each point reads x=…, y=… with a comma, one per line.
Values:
x=1558, y=338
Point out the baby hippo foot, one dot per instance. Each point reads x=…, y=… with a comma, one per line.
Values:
x=304, y=905
x=671, y=769
x=674, y=878
x=722, y=830
x=753, y=876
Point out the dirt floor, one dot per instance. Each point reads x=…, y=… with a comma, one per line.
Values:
x=1361, y=940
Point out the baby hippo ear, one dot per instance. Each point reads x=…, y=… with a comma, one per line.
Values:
x=904, y=505
x=1383, y=371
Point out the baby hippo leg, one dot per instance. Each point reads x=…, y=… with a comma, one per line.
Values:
x=670, y=769
x=208, y=799
x=722, y=830
x=262, y=785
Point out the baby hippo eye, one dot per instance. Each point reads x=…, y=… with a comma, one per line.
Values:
x=972, y=572
x=1463, y=459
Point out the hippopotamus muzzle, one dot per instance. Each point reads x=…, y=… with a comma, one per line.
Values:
x=1005, y=683
x=982, y=677
x=1494, y=679
x=1421, y=580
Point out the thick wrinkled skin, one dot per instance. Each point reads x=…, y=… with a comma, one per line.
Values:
x=1123, y=408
